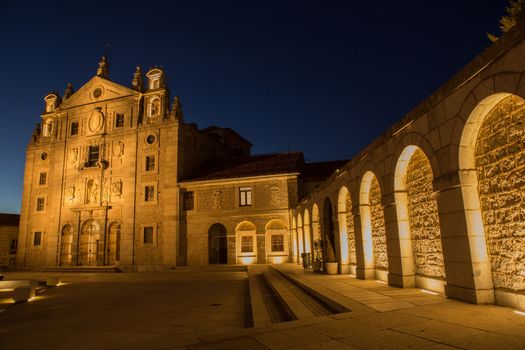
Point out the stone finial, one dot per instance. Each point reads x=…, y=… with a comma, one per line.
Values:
x=103, y=68
x=176, y=109
x=136, y=83
x=69, y=91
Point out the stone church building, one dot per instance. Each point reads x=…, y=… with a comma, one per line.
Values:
x=115, y=177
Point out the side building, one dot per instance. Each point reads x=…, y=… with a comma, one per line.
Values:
x=115, y=177
x=8, y=240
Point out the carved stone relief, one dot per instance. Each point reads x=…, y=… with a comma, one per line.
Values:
x=275, y=195
x=118, y=149
x=500, y=164
x=73, y=155
x=423, y=218
x=70, y=193
x=96, y=120
x=350, y=230
x=116, y=188
x=216, y=200
x=378, y=226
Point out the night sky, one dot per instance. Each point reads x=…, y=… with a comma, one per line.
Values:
x=322, y=77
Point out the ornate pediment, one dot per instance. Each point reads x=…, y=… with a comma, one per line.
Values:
x=96, y=90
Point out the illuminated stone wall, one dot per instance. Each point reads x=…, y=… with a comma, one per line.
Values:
x=500, y=163
x=378, y=226
x=423, y=218
x=350, y=230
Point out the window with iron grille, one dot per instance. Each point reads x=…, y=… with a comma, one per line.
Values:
x=37, y=239
x=14, y=245
x=149, y=193
x=93, y=153
x=148, y=235
x=150, y=163
x=40, y=203
x=119, y=120
x=43, y=179
x=74, y=129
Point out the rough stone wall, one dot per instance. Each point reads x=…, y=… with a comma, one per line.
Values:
x=500, y=164
x=423, y=218
x=378, y=226
x=7, y=234
x=350, y=230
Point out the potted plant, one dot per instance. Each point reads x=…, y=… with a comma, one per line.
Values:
x=317, y=264
x=331, y=264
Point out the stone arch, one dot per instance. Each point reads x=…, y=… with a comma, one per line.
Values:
x=492, y=173
x=300, y=236
x=328, y=230
x=373, y=227
x=307, y=230
x=217, y=244
x=66, y=245
x=419, y=141
x=246, y=243
x=316, y=233
x=90, y=246
x=346, y=229
x=418, y=219
x=295, y=243
x=113, y=243
x=276, y=243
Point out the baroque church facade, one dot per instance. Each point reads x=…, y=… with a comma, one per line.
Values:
x=115, y=177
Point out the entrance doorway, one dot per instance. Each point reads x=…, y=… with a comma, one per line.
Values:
x=217, y=245
x=90, y=244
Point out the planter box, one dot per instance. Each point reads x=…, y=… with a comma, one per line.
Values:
x=331, y=268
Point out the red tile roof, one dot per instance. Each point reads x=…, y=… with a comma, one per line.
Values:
x=9, y=219
x=259, y=165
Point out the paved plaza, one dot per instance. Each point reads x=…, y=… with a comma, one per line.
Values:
x=209, y=310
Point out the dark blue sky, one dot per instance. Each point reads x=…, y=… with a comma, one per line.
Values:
x=323, y=77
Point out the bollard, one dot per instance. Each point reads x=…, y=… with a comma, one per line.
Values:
x=23, y=293
x=52, y=281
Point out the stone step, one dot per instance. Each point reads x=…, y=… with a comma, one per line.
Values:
x=90, y=269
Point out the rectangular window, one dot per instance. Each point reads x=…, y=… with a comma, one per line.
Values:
x=14, y=245
x=40, y=203
x=148, y=235
x=43, y=179
x=93, y=153
x=277, y=243
x=149, y=193
x=245, y=194
x=150, y=163
x=74, y=128
x=119, y=120
x=37, y=239
x=247, y=244
x=188, y=200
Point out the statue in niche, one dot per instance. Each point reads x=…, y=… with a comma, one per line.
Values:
x=70, y=193
x=91, y=192
x=216, y=200
x=36, y=132
x=155, y=108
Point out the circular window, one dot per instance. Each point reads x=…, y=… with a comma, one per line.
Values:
x=150, y=139
x=97, y=93
x=44, y=156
